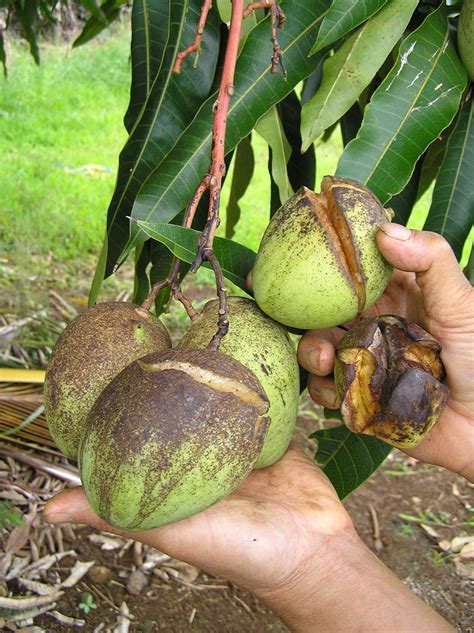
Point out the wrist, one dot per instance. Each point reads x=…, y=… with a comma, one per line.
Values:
x=346, y=588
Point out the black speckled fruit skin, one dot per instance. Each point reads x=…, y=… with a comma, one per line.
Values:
x=171, y=435
x=264, y=347
x=91, y=351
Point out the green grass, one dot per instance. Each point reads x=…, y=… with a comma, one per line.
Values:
x=55, y=122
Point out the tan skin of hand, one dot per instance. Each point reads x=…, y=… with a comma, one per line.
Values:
x=428, y=288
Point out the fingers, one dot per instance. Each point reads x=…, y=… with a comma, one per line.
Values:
x=323, y=392
x=317, y=348
x=445, y=289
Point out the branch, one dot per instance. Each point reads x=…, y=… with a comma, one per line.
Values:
x=196, y=45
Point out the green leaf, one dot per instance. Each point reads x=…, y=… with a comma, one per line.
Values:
x=94, y=26
x=8, y=515
x=150, y=23
x=95, y=10
x=244, y=163
x=347, y=458
x=452, y=209
x=141, y=284
x=350, y=123
x=27, y=13
x=432, y=160
x=169, y=188
x=414, y=103
x=301, y=165
x=3, y=57
x=344, y=16
x=236, y=260
x=402, y=204
x=353, y=66
x=270, y=128
x=170, y=106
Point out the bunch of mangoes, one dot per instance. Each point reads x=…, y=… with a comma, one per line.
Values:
x=161, y=433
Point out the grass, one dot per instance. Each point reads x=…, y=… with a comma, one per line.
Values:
x=60, y=135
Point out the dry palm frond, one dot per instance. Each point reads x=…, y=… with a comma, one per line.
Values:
x=21, y=405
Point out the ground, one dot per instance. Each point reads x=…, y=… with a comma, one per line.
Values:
x=388, y=511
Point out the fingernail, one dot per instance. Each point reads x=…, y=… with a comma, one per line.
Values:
x=313, y=357
x=58, y=517
x=329, y=397
x=397, y=231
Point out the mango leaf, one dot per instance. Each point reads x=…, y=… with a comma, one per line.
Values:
x=111, y=10
x=402, y=204
x=452, y=209
x=350, y=123
x=301, y=165
x=270, y=128
x=352, y=67
x=244, y=163
x=348, y=459
x=432, y=160
x=415, y=102
x=343, y=16
x=26, y=13
x=95, y=10
x=141, y=283
x=169, y=188
x=236, y=260
x=150, y=24
x=170, y=106
x=3, y=57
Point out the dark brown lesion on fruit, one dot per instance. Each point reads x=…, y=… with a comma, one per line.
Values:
x=388, y=375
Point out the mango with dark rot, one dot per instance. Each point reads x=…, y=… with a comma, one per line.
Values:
x=172, y=434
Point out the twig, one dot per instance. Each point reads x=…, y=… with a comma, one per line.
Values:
x=196, y=45
x=223, y=321
x=277, y=22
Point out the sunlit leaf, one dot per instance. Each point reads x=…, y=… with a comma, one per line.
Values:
x=352, y=67
x=270, y=128
x=344, y=16
x=452, y=209
x=415, y=102
x=244, y=163
x=172, y=184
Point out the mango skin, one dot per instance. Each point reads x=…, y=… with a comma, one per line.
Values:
x=264, y=347
x=297, y=278
x=91, y=351
x=160, y=445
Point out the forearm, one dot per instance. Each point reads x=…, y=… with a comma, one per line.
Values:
x=357, y=594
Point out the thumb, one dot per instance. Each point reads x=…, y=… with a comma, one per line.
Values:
x=445, y=288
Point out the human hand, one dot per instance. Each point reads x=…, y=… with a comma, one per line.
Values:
x=285, y=536
x=428, y=288
x=267, y=534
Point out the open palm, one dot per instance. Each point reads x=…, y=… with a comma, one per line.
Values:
x=264, y=535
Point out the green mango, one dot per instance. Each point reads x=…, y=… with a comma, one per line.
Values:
x=265, y=348
x=318, y=264
x=91, y=351
x=172, y=434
